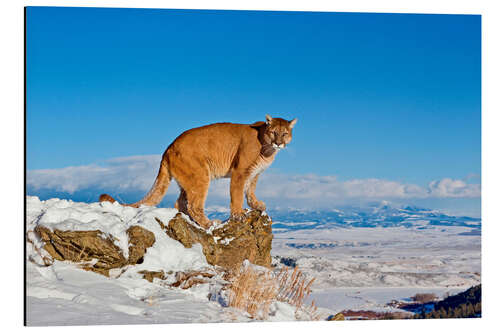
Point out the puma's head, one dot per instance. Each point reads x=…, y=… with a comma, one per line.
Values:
x=278, y=131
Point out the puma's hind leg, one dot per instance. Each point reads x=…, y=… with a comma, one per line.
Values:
x=196, y=190
x=193, y=179
x=181, y=203
x=252, y=200
x=196, y=203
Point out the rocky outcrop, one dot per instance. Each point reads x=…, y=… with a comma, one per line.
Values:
x=229, y=244
x=226, y=246
x=139, y=240
x=184, y=280
x=95, y=250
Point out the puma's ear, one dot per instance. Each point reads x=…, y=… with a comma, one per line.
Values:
x=293, y=122
x=268, y=119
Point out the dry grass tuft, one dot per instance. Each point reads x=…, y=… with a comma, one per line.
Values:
x=312, y=310
x=252, y=291
x=293, y=288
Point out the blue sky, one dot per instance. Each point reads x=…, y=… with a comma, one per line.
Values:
x=395, y=97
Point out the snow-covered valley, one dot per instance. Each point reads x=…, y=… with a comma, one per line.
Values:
x=366, y=268
x=365, y=259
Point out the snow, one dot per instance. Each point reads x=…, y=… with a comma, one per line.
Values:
x=372, y=298
x=355, y=267
x=227, y=241
x=384, y=257
x=365, y=268
x=76, y=297
x=114, y=220
x=64, y=294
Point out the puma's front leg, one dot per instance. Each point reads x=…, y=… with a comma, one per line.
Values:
x=237, y=187
x=252, y=200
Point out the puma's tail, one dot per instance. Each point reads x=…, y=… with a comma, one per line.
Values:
x=155, y=194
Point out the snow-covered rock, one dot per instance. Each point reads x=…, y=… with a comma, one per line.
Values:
x=109, y=233
x=228, y=244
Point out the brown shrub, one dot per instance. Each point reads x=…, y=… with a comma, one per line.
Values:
x=252, y=291
x=424, y=298
x=293, y=288
x=255, y=290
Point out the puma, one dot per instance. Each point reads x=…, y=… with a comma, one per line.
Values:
x=223, y=150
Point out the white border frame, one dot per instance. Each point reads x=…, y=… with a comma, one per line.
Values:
x=12, y=170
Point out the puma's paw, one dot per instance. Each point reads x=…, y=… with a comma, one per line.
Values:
x=237, y=216
x=259, y=205
x=205, y=223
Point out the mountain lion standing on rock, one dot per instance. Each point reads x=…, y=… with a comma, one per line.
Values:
x=223, y=150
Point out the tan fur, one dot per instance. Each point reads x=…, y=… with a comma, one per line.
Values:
x=223, y=150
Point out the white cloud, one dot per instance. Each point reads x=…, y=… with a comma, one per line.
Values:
x=329, y=187
x=137, y=173
x=453, y=188
x=121, y=174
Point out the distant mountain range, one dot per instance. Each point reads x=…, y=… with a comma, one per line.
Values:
x=367, y=217
x=291, y=218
